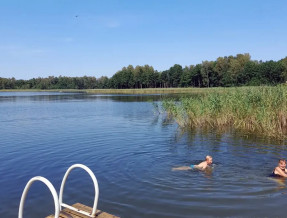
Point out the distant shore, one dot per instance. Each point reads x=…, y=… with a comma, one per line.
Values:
x=121, y=91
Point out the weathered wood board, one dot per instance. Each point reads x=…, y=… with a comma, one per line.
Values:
x=67, y=213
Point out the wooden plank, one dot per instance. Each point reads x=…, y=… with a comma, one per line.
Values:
x=67, y=213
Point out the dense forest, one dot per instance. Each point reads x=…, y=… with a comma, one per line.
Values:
x=229, y=71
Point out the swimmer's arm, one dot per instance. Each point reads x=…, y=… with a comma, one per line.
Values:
x=182, y=168
x=279, y=171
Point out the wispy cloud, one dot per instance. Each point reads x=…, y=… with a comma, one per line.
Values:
x=92, y=22
x=22, y=50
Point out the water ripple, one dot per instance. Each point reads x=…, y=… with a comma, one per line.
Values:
x=131, y=151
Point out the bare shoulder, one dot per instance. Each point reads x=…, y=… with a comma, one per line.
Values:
x=202, y=164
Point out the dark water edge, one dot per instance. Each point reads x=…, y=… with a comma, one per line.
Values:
x=131, y=149
x=238, y=134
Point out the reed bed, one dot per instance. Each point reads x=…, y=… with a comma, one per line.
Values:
x=256, y=109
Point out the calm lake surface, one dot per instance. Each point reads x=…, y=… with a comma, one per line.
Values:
x=131, y=149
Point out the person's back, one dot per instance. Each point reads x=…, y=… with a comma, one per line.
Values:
x=202, y=166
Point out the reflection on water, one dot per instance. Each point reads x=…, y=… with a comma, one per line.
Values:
x=56, y=96
x=131, y=150
x=281, y=183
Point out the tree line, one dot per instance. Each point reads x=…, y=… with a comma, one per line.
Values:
x=229, y=71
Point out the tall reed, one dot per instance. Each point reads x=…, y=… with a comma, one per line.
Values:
x=256, y=109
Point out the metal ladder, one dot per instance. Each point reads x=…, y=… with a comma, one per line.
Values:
x=59, y=201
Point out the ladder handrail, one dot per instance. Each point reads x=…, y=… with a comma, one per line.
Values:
x=51, y=188
x=95, y=185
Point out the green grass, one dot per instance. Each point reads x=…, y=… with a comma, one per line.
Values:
x=256, y=109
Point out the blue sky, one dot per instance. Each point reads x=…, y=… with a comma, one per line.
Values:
x=41, y=38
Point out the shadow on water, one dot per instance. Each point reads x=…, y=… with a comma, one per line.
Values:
x=281, y=183
x=239, y=136
x=56, y=96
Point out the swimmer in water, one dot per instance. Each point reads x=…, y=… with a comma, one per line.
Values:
x=280, y=170
x=202, y=166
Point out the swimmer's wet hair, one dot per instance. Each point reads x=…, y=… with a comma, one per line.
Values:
x=282, y=160
x=208, y=157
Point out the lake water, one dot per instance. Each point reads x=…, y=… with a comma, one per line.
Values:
x=131, y=149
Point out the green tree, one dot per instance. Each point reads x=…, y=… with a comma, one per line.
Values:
x=102, y=82
x=271, y=72
x=186, y=78
x=221, y=69
x=284, y=72
x=164, y=77
x=196, y=77
x=236, y=66
x=175, y=75
x=250, y=75
x=208, y=74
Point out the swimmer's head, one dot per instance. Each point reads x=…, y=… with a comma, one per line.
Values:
x=282, y=163
x=208, y=159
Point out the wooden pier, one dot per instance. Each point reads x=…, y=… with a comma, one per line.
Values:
x=75, y=211
x=67, y=213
